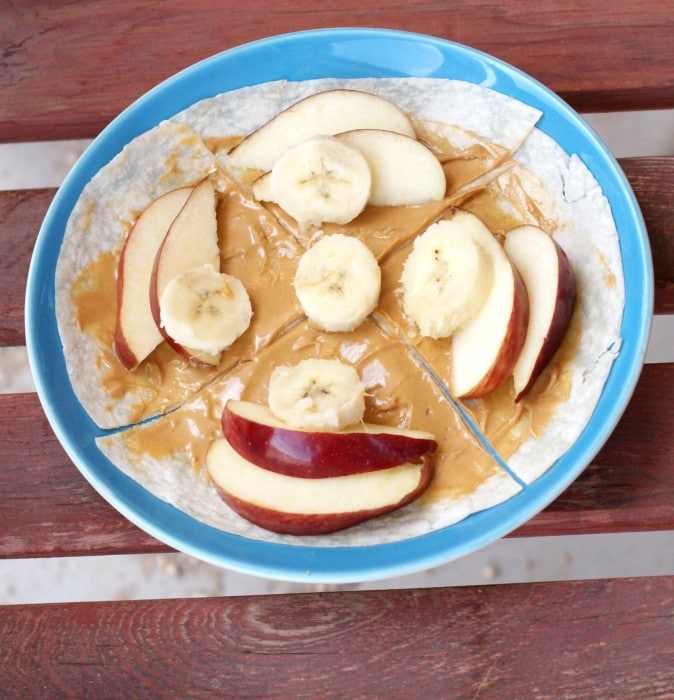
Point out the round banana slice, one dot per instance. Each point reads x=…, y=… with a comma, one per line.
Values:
x=321, y=180
x=445, y=280
x=204, y=309
x=338, y=281
x=317, y=394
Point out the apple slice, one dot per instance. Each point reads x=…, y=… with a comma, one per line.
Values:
x=254, y=432
x=191, y=241
x=324, y=113
x=262, y=187
x=551, y=285
x=136, y=334
x=296, y=506
x=486, y=348
x=404, y=171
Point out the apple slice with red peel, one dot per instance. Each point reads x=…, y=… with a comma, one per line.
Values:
x=136, y=334
x=324, y=113
x=191, y=241
x=258, y=436
x=486, y=348
x=404, y=171
x=296, y=506
x=551, y=285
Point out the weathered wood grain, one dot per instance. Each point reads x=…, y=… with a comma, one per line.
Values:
x=67, y=68
x=652, y=180
x=599, y=639
x=628, y=487
x=21, y=214
x=48, y=509
x=22, y=211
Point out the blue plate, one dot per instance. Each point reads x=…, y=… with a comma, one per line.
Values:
x=345, y=53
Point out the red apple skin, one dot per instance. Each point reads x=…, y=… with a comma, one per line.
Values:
x=510, y=347
x=320, y=524
x=566, y=301
x=154, y=306
x=199, y=360
x=135, y=334
x=177, y=347
x=124, y=352
x=307, y=454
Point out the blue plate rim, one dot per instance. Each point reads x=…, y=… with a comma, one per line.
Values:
x=339, y=564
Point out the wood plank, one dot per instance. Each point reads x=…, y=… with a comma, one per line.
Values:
x=21, y=214
x=22, y=211
x=48, y=509
x=629, y=485
x=576, y=639
x=652, y=180
x=67, y=68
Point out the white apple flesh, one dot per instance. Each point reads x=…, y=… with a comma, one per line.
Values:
x=258, y=436
x=191, y=241
x=136, y=334
x=403, y=170
x=486, y=348
x=325, y=113
x=551, y=286
x=296, y=506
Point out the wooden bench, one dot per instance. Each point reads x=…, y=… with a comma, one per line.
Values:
x=67, y=69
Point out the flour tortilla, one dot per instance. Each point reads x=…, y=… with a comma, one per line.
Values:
x=131, y=181
x=174, y=154
x=174, y=480
x=490, y=115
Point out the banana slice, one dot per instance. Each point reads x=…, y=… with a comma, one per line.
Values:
x=204, y=309
x=321, y=179
x=445, y=280
x=317, y=394
x=337, y=282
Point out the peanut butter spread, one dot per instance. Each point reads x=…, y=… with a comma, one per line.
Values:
x=261, y=246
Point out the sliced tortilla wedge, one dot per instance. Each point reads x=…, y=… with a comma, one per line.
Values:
x=491, y=116
x=399, y=392
x=587, y=232
x=473, y=129
x=544, y=187
x=250, y=243
x=94, y=235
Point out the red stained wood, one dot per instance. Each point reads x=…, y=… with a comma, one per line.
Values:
x=67, y=68
x=48, y=509
x=21, y=214
x=600, y=639
x=629, y=485
x=652, y=180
